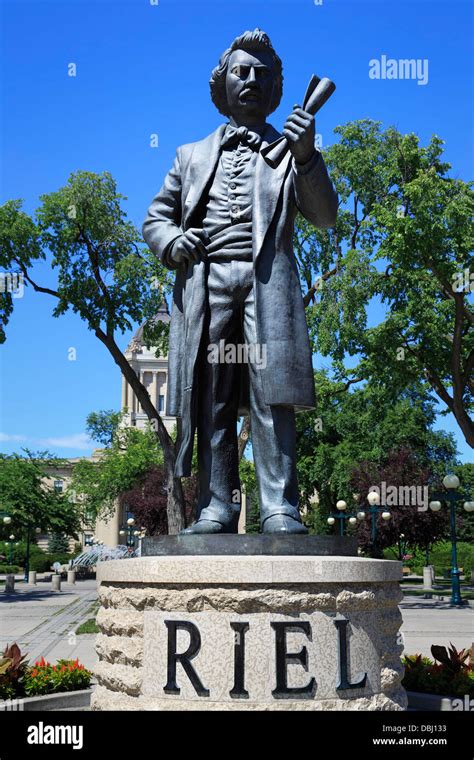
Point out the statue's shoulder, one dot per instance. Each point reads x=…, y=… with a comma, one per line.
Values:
x=201, y=146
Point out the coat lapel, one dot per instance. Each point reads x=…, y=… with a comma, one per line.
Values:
x=267, y=188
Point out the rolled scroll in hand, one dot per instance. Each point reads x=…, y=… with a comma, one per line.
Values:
x=317, y=93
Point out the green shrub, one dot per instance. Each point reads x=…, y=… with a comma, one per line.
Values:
x=440, y=557
x=9, y=569
x=40, y=562
x=62, y=557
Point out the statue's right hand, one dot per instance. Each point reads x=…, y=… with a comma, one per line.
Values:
x=190, y=246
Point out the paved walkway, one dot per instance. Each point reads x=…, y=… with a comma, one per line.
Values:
x=428, y=621
x=43, y=622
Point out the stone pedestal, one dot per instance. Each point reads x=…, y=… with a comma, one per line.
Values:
x=71, y=576
x=9, y=583
x=249, y=633
x=55, y=583
x=32, y=578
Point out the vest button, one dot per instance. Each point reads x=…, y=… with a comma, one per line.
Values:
x=232, y=185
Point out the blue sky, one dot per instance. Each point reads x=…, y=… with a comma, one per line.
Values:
x=144, y=68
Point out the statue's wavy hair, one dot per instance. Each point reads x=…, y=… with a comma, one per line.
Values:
x=249, y=41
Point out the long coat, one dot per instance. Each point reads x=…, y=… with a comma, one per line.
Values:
x=280, y=318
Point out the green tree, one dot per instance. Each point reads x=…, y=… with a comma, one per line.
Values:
x=248, y=482
x=105, y=274
x=58, y=544
x=386, y=290
x=30, y=500
x=465, y=527
x=361, y=424
x=132, y=455
x=102, y=426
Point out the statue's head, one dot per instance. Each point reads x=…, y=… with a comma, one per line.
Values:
x=248, y=82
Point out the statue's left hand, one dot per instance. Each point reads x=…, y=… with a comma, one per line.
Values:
x=300, y=131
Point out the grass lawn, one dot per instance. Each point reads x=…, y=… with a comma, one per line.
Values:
x=89, y=626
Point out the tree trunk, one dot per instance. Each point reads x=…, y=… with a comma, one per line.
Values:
x=175, y=507
x=244, y=436
x=465, y=423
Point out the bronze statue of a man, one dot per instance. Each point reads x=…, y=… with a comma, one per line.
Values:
x=224, y=221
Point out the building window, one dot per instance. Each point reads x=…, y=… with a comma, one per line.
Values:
x=161, y=403
x=58, y=486
x=89, y=517
x=88, y=539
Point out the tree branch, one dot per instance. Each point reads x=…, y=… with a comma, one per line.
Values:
x=244, y=436
x=347, y=385
x=37, y=288
x=315, y=286
x=140, y=391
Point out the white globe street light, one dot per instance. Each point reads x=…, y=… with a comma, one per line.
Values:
x=352, y=520
x=386, y=516
x=7, y=520
x=331, y=520
x=435, y=506
x=373, y=498
x=341, y=504
x=361, y=515
x=451, y=481
x=469, y=506
x=130, y=521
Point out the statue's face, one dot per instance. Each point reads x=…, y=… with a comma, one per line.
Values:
x=249, y=84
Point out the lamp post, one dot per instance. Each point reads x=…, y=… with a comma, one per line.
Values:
x=402, y=546
x=129, y=532
x=29, y=527
x=24, y=523
x=12, y=538
x=374, y=508
x=6, y=520
x=451, y=483
x=342, y=516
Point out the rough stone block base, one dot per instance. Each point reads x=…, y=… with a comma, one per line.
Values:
x=255, y=633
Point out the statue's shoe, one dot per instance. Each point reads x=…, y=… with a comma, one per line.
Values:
x=283, y=524
x=206, y=526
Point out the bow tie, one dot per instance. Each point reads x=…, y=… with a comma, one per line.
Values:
x=234, y=135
